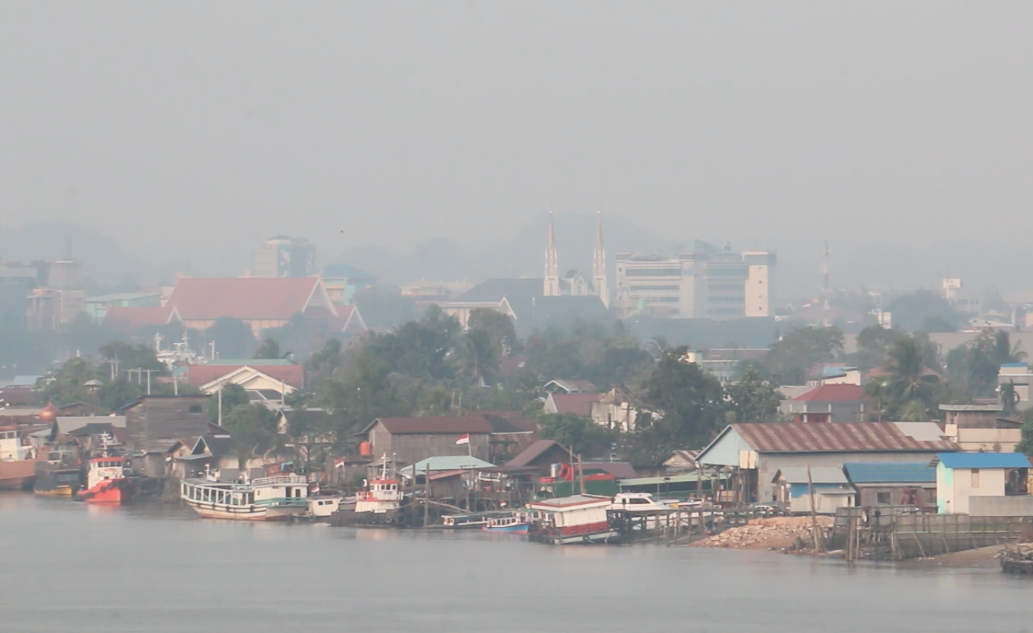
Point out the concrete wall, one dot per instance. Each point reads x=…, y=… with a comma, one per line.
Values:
x=955, y=486
x=1021, y=506
x=870, y=494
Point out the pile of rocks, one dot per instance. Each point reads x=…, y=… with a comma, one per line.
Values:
x=775, y=533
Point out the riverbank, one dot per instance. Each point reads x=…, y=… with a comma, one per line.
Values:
x=777, y=533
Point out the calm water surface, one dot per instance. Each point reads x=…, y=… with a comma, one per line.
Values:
x=66, y=566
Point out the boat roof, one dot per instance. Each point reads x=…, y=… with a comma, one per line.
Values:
x=567, y=502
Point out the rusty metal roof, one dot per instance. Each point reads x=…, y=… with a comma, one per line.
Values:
x=844, y=437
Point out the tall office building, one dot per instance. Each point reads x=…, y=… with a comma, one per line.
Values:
x=703, y=283
x=285, y=256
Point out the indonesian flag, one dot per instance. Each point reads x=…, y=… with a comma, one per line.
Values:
x=463, y=439
x=339, y=462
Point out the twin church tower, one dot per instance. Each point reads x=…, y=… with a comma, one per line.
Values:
x=575, y=283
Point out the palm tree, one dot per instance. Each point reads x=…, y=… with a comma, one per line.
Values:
x=478, y=358
x=909, y=381
x=1004, y=351
x=1009, y=398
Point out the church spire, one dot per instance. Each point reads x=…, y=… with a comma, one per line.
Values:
x=599, y=263
x=552, y=266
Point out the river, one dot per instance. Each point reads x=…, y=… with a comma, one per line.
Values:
x=67, y=566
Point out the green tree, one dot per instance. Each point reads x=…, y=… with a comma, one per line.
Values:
x=753, y=399
x=253, y=428
x=690, y=405
x=923, y=307
x=269, y=349
x=68, y=384
x=478, y=357
x=232, y=337
x=873, y=345
x=498, y=327
x=574, y=432
x=384, y=307
x=233, y=396
x=131, y=356
x=801, y=348
x=360, y=395
x=910, y=391
x=117, y=393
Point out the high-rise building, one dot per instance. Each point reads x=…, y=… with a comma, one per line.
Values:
x=285, y=256
x=551, y=287
x=602, y=289
x=703, y=283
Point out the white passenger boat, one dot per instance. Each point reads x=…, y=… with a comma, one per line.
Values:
x=263, y=499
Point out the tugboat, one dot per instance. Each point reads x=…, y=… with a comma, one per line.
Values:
x=54, y=481
x=106, y=482
x=378, y=503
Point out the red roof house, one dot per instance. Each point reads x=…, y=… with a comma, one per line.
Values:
x=249, y=376
x=828, y=403
x=132, y=319
x=261, y=302
x=576, y=403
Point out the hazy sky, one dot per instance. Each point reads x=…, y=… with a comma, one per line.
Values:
x=193, y=130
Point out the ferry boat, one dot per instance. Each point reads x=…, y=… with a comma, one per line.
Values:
x=17, y=461
x=263, y=499
x=515, y=524
x=568, y=520
x=106, y=481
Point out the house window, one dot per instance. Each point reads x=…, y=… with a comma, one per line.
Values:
x=195, y=408
x=882, y=498
x=975, y=477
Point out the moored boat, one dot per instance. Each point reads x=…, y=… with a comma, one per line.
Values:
x=574, y=519
x=57, y=482
x=263, y=499
x=515, y=524
x=106, y=482
x=378, y=503
x=17, y=461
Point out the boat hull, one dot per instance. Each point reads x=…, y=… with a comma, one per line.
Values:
x=59, y=491
x=17, y=475
x=235, y=513
x=350, y=518
x=109, y=491
x=577, y=534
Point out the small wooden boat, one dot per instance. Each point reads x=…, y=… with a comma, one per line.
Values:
x=516, y=524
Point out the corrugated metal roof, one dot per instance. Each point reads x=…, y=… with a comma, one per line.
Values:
x=673, y=479
x=446, y=462
x=527, y=456
x=890, y=473
x=819, y=475
x=840, y=437
x=984, y=460
x=576, y=403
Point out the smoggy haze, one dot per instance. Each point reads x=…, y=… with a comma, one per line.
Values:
x=212, y=126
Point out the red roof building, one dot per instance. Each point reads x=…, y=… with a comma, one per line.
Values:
x=135, y=318
x=828, y=403
x=289, y=375
x=261, y=302
x=576, y=403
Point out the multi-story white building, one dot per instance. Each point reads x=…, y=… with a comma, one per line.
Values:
x=700, y=284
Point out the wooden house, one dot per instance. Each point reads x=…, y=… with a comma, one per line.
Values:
x=893, y=484
x=155, y=422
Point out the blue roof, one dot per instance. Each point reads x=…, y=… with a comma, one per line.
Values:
x=1018, y=364
x=904, y=473
x=983, y=460
x=346, y=271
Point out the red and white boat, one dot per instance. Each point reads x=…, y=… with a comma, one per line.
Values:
x=568, y=520
x=17, y=461
x=105, y=482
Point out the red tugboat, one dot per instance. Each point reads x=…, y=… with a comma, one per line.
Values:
x=105, y=482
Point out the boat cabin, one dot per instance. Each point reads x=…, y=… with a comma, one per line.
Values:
x=102, y=468
x=11, y=447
